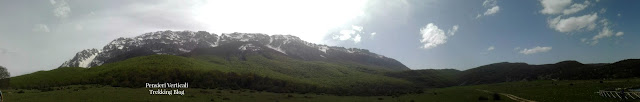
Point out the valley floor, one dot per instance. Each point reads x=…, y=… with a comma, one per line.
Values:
x=541, y=91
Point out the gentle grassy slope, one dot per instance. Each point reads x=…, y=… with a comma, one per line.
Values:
x=541, y=91
x=110, y=94
x=314, y=72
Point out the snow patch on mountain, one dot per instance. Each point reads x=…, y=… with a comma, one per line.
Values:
x=85, y=63
x=249, y=47
x=277, y=49
x=184, y=50
x=323, y=48
x=350, y=51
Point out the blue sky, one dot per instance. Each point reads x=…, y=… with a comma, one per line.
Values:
x=518, y=25
x=41, y=35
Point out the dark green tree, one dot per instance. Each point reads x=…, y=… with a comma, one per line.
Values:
x=4, y=77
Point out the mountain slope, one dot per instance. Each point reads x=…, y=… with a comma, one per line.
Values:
x=182, y=42
x=280, y=74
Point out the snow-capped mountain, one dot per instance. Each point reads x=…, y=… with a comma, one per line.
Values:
x=182, y=42
x=82, y=58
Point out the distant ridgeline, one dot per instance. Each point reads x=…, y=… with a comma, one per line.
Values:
x=282, y=63
x=565, y=70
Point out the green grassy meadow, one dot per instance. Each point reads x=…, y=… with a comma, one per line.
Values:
x=541, y=91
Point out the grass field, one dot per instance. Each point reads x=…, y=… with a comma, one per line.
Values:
x=561, y=91
x=95, y=93
x=541, y=91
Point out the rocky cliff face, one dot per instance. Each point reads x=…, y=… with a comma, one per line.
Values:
x=181, y=42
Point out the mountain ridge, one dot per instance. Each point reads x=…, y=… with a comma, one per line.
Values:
x=182, y=42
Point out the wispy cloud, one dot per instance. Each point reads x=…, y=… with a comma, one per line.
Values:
x=562, y=6
x=40, y=28
x=492, y=8
x=587, y=22
x=534, y=50
x=491, y=48
x=373, y=35
x=62, y=9
x=453, y=30
x=604, y=33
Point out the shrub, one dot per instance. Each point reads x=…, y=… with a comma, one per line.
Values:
x=482, y=98
x=496, y=96
x=83, y=87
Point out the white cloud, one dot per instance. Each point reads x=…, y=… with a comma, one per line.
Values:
x=534, y=50
x=619, y=33
x=350, y=34
x=373, y=35
x=619, y=14
x=585, y=22
x=604, y=33
x=492, y=10
x=517, y=48
x=344, y=35
x=574, y=23
x=562, y=6
x=489, y=3
x=357, y=38
x=553, y=6
x=603, y=10
x=576, y=7
x=453, y=30
x=61, y=8
x=357, y=28
x=40, y=28
x=432, y=36
x=492, y=6
x=490, y=48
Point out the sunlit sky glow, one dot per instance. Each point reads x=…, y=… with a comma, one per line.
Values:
x=422, y=34
x=309, y=20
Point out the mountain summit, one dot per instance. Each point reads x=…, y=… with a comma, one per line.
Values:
x=184, y=42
